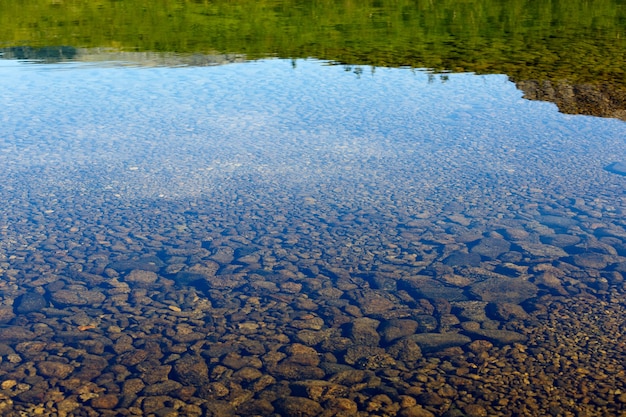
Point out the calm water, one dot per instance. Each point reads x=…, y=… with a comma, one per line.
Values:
x=190, y=235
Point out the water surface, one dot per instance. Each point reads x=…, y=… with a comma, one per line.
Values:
x=192, y=233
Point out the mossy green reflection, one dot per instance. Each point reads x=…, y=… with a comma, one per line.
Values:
x=581, y=41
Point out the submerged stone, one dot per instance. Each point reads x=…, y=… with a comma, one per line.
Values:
x=430, y=342
x=373, y=301
x=55, y=369
x=141, y=277
x=15, y=334
x=505, y=290
x=319, y=390
x=426, y=287
x=618, y=168
x=77, y=296
x=149, y=263
x=541, y=250
x=6, y=314
x=491, y=247
x=362, y=331
x=558, y=222
x=503, y=337
x=406, y=350
x=397, y=328
x=298, y=407
x=506, y=311
x=462, y=259
x=30, y=302
x=192, y=370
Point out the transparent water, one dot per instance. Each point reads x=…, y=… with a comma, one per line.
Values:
x=290, y=237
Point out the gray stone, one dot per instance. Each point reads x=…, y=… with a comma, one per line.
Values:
x=592, y=260
x=505, y=290
x=491, y=247
x=462, y=259
x=540, y=250
x=77, y=296
x=426, y=323
x=16, y=334
x=560, y=240
x=557, y=222
x=149, y=263
x=6, y=314
x=506, y=311
x=471, y=310
x=502, y=337
x=391, y=330
x=430, y=342
x=426, y=287
x=141, y=277
x=30, y=302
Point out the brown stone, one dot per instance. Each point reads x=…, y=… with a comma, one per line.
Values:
x=504, y=290
x=132, y=386
x=303, y=355
x=491, y=247
x=191, y=370
x=293, y=371
x=479, y=346
x=362, y=331
x=415, y=411
x=430, y=398
x=341, y=406
x=391, y=330
x=6, y=314
x=162, y=388
x=475, y=410
x=77, y=296
x=105, y=401
x=247, y=374
x=55, y=369
x=141, y=278
x=406, y=350
x=506, y=311
x=15, y=334
x=133, y=357
x=298, y=407
x=318, y=390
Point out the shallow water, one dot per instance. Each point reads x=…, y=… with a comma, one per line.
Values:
x=267, y=237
